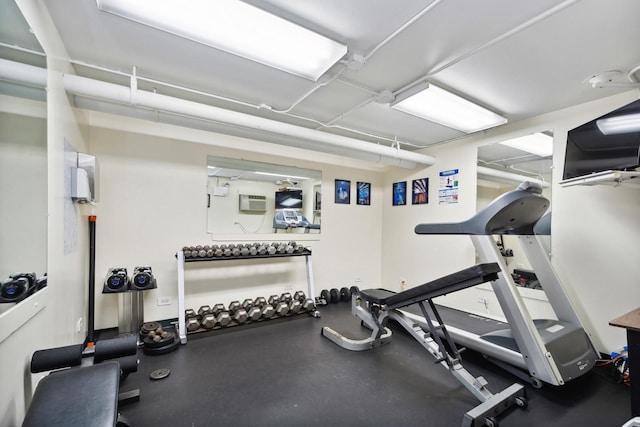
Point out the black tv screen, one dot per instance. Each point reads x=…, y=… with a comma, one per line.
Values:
x=289, y=199
x=591, y=150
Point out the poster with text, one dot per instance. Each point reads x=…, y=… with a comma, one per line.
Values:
x=448, y=190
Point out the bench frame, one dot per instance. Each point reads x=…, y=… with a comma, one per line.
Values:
x=375, y=312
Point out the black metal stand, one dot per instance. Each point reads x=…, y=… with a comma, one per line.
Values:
x=92, y=278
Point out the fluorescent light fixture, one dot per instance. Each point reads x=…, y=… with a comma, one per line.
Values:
x=238, y=28
x=620, y=124
x=437, y=105
x=539, y=144
x=281, y=175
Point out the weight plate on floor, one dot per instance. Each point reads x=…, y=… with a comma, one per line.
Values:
x=150, y=343
x=162, y=350
x=159, y=374
x=149, y=326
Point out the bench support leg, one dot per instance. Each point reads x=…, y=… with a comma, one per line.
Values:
x=491, y=405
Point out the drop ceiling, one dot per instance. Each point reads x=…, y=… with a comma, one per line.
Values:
x=517, y=58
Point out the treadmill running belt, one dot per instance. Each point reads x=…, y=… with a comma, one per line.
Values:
x=453, y=318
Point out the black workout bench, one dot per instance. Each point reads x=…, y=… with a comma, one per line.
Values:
x=86, y=391
x=376, y=306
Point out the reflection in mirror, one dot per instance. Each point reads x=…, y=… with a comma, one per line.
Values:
x=246, y=197
x=502, y=166
x=23, y=167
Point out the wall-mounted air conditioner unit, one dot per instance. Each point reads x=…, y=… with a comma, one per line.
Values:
x=253, y=203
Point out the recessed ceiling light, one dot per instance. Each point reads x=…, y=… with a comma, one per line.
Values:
x=539, y=144
x=238, y=28
x=438, y=105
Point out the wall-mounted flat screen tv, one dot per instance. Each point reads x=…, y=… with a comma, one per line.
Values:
x=289, y=199
x=610, y=142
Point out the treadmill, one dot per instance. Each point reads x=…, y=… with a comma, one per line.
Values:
x=536, y=350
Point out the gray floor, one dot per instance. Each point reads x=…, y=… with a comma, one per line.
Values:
x=284, y=373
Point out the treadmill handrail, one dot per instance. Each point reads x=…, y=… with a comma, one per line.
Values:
x=514, y=212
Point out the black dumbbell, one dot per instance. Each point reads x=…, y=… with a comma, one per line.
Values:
x=325, y=296
x=247, y=304
x=300, y=296
x=189, y=313
x=334, y=295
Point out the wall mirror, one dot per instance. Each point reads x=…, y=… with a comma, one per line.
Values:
x=23, y=164
x=502, y=166
x=246, y=197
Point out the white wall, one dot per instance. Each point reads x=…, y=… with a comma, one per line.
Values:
x=595, y=237
x=417, y=259
x=65, y=300
x=153, y=202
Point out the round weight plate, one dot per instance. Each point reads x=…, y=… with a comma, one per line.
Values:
x=150, y=343
x=354, y=290
x=162, y=350
x=149, y=326
x=159, y=374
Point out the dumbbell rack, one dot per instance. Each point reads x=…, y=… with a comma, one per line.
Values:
x=182, y=330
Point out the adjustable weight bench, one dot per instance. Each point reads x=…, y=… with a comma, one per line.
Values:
x=83, y=387
x=376, y=306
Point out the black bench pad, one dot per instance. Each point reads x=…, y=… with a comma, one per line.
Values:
x=462, y=279
x=79, y=397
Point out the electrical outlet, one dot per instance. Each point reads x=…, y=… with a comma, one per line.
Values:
x=288, y=287
x=358, y=279
x=164, y=300
x=79, y=324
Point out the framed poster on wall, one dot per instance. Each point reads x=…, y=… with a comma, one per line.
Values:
x=400, y=193
x=343, y=191
x=420, y=191
x=364, y=193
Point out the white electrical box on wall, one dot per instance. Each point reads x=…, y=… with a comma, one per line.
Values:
x=80, y=188
x=252, y=203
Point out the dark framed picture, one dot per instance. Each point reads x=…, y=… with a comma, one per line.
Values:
x=343, y=191
x=364, y=193
x=400, y=193
x=420, y=191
